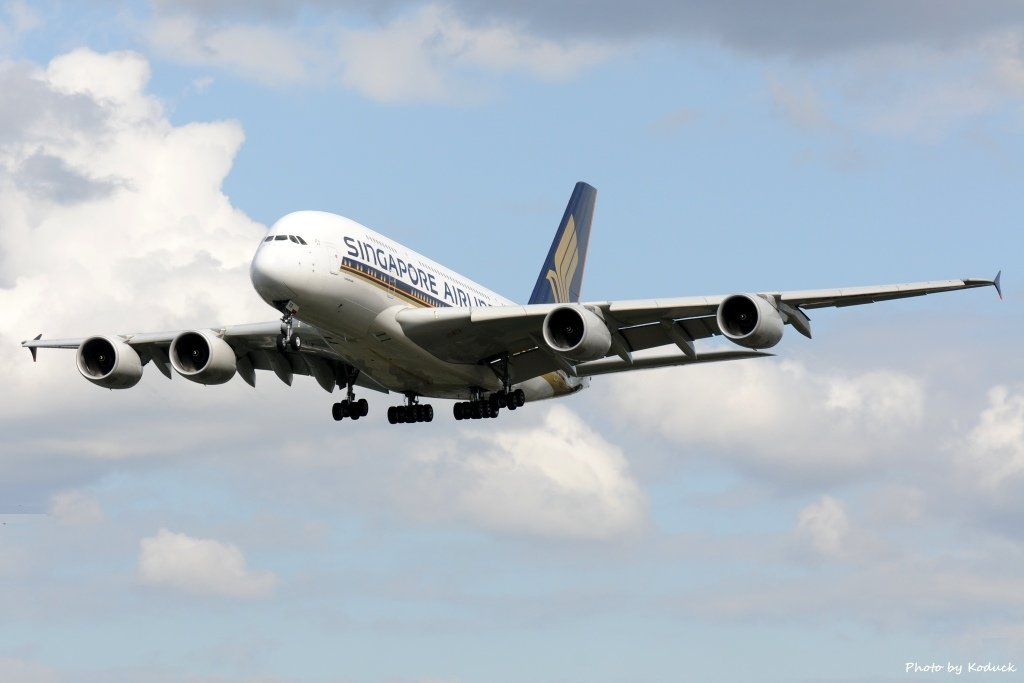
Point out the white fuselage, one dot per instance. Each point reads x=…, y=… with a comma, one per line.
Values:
x=349, y=282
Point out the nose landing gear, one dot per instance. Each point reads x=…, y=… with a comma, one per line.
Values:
x=289, y=340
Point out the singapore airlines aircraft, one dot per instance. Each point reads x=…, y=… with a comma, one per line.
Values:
x=360, y=310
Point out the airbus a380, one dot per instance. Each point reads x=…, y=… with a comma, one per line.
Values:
x=360, y=310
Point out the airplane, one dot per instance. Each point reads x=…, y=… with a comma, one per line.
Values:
x=360, y=310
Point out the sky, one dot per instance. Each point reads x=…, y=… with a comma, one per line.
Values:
x=833, y=514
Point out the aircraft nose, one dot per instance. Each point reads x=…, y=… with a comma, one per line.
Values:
x=270, y=272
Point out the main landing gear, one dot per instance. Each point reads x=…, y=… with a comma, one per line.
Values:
x=482, y=408
x=411, y=412
x=350, y=407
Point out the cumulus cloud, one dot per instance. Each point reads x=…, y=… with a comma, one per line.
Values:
x=994, y=450
x=201, y=566
x=777, y=417
x=557, y=479
x=113, y=218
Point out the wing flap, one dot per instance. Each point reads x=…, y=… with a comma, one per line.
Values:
x=661, y=360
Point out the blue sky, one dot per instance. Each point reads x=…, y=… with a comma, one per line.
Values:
x=827, y=515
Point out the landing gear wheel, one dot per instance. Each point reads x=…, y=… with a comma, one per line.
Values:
x=336, y=412
x=428, y=413
x=296, y=343
x=362, y=407
x=393, y=414
x=520, y=397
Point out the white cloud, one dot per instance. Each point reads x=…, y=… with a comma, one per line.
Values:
x=777, y=417
x=27, y=671
x=434, y=55
x=201, y=566
x=800, y=103
x=262, y=53
x=557, y=479
x=75, y=508
x=429, y=54
x=17, y=18
x=994, y=450
x=825, y=526
x=113, y=218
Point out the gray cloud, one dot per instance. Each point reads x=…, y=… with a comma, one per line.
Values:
x=798, y=28
x=30, y=107
x=49, y=177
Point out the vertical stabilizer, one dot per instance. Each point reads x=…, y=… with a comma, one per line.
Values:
x=561, y=276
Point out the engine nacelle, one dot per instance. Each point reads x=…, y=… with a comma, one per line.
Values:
x=576, y=333
x=203, y=357
x=109, y=362
x=750, y=321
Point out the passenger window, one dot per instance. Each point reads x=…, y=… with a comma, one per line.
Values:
x=281, y=237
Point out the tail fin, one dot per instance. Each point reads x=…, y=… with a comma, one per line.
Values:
x=561, y=276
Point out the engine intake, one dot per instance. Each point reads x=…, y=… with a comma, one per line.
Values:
x=576, y=333
x=109, y=363
x=203, y=357
x=750, y=321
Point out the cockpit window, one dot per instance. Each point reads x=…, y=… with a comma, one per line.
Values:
x=269, y=238
x=301, y=241
x=280, y=237
x=292, y=238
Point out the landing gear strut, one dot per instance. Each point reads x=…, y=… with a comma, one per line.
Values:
x=289, y=340
x=411, y=412
x=489, y=407
x=350, y=407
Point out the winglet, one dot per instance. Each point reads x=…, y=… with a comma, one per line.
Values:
x=32, y=349
x=995, y=283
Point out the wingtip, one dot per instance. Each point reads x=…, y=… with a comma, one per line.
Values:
x=997, y=285
x=31, y=349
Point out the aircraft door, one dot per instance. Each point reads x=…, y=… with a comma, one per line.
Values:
x=333, y=257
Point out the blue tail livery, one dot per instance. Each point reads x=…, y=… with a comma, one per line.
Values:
x=561, y=276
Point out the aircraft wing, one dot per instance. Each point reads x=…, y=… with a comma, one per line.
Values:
x=255, y=346
x=482, y=335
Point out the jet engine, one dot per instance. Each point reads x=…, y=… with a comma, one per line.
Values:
x=109, y=362
x=576, y=333
x=203, y=357
x=750, y=321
